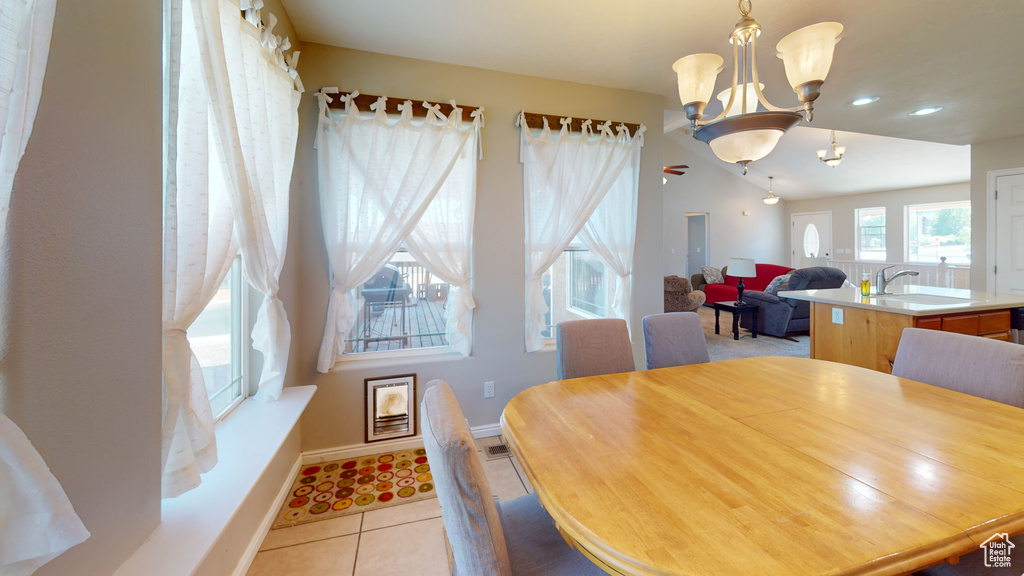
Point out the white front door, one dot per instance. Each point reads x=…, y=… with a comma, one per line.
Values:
x=1009, y=234
x=811, y=238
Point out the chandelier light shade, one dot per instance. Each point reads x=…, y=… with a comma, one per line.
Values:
x=836, y=156
x=725, y=96
x=741, y=133
x=771, y=198
x=697, y=74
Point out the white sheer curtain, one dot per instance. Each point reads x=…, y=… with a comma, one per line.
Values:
x=442, y=239
x=255, y=110
x=231, y=144
x=610, y=233
x=37, y=521
x=566, y=178
x=199, y=248
x=377, y=180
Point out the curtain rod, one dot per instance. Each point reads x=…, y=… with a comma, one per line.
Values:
x=363, y=101
x=535, y=120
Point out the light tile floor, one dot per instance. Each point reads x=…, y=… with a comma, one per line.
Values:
x=398, y=540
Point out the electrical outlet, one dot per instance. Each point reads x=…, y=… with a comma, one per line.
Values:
x=837, y=315
x=488, y=389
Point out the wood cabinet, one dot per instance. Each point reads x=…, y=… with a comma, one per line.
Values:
x=869, y=338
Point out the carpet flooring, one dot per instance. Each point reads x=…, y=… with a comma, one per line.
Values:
x=723, y=347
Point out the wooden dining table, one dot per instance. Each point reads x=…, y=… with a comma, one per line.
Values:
x=769, y=466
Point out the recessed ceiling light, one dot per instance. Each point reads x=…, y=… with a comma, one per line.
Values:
x=926, y=111
x=865, y=100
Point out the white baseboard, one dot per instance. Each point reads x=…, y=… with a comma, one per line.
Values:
x=486, y=431
x=254, y=546
x=365, y=449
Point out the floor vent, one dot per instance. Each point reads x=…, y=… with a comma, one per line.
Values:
x=497, y=451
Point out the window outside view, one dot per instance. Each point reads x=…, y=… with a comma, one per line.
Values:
x=871, y=234
x=215, y=338
x=578, y=286
x=401, y=307
x=937, y=230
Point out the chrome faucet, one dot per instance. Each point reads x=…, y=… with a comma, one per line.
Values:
x=881, y=281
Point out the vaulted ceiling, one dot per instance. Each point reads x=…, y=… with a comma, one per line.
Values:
x=962, y=55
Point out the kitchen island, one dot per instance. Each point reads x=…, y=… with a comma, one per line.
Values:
x=865, y=330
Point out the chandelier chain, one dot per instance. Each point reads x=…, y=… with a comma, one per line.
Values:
x=745, y=11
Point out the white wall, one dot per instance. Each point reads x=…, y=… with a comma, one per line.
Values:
x=335, y=416
x=80, y=371
x=843, y=209
x=711, y=187
x=1002, y=154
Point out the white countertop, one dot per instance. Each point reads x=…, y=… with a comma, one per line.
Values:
x=912, y=300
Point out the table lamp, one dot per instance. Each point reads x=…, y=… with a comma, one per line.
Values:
x=741, y=268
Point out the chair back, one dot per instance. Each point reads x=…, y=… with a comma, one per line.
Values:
x=969, y=364
x=469, y=512
x=674, y=339
x=593, y=347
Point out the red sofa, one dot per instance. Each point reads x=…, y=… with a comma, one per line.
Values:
x=728, y=292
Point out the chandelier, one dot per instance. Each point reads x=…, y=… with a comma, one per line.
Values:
x=770, y=198
x=740, y=133
x=837, y=153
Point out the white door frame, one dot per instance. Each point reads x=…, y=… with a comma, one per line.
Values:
x=990, y=237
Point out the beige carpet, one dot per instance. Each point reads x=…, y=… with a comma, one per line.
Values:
x=723, y=347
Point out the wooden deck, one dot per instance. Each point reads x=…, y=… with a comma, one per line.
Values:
x=393, y=326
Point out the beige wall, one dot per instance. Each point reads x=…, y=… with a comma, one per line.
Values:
x=81, y=366
x=714, y=188
x=1004, y=154
x=335, y=416
x=843, y=209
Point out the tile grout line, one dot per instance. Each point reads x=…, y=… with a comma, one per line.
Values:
x=359, y=540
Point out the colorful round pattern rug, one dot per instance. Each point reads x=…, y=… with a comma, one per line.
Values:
x=340, y=487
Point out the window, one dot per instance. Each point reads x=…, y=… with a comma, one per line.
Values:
x=401, y=307
x=937, y=230
x=576, y=287
x=217, y=337
x=871, y=234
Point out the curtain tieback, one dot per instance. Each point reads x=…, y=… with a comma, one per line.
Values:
x=175, y=333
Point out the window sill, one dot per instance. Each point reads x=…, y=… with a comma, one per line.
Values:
x=248, y=440
x=395, y=358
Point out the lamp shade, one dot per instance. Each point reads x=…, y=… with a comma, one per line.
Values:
x=807, y=52
x=770, y=199
x=697, y=74
x=742, y=268
x=737, y=104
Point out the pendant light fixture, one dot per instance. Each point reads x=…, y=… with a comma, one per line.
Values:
x=770, y=198
x=741, y=133
x=836, y=157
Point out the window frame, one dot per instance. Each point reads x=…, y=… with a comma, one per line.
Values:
x=859, y=235
x=240, y=326
x=403, y=355
x=575, y=246
x=954, y=204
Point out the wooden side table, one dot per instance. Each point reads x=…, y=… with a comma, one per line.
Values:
x=737, y=310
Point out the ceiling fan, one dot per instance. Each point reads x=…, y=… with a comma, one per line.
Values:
x=676, y=170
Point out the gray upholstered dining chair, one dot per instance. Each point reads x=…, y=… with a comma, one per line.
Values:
x=517, y=538
x=674, y=339
x=972, y=365
x=592, y=347
x=969, y=364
